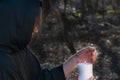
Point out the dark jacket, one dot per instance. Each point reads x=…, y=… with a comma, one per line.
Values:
x=17, y=62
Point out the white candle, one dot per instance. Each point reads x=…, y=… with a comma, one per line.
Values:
x=85, y=71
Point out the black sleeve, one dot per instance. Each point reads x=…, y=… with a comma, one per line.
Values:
x=56, y=73
x=7, y=75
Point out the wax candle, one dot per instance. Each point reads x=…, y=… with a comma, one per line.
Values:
x=85, y=71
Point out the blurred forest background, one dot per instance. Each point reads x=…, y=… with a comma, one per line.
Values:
x=69, y=25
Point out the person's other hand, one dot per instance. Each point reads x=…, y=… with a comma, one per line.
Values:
x=76, y=78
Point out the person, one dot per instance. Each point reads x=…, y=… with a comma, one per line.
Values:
x=17, y=61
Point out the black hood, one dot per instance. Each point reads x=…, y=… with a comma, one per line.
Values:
x=17, y=18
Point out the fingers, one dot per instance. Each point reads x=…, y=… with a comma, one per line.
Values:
x=94, y=57
x=87, y=54
x=74, y=78
x=92, y=78
x=86, y=50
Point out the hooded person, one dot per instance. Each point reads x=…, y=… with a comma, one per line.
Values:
x=17, y=61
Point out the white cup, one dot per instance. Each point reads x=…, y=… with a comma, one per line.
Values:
x=85, y=71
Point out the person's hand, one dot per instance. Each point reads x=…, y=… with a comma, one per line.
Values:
x=76, y=78
x=87, y=55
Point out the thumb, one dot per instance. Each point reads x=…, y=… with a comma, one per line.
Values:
x=92, y=78
x=94, y=56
